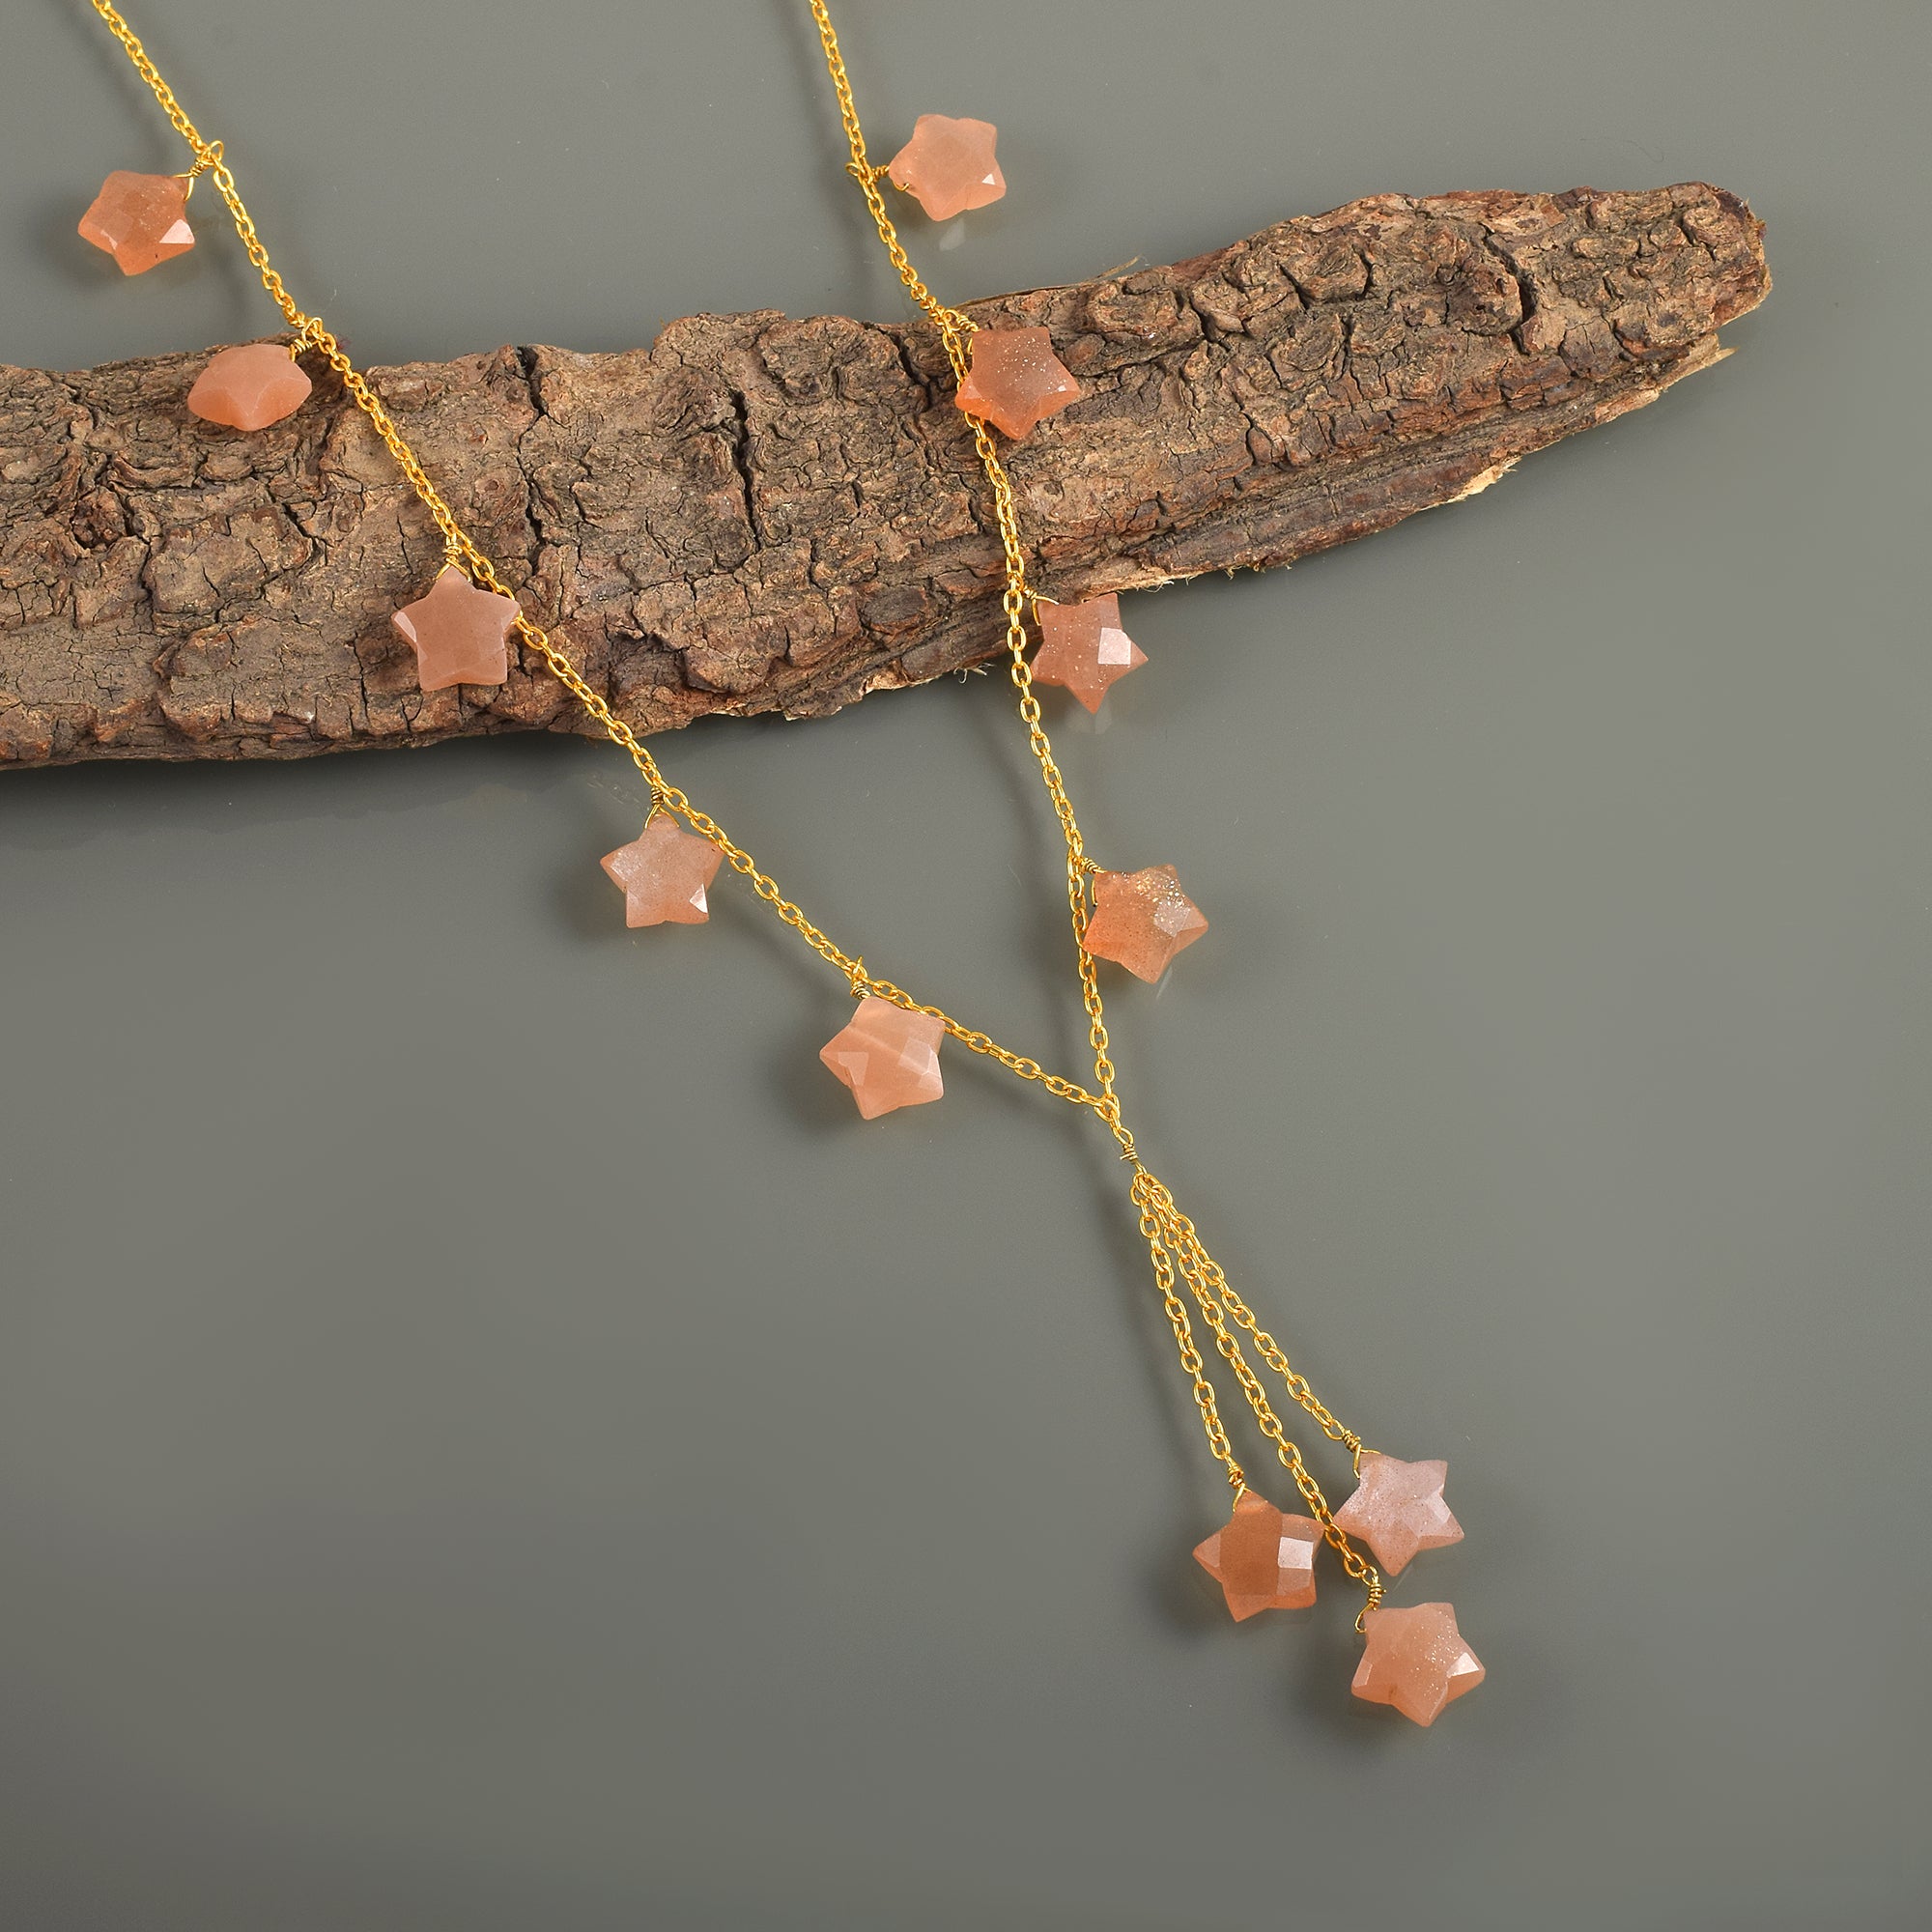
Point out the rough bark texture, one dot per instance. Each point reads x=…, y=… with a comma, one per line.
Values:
x=758, y=514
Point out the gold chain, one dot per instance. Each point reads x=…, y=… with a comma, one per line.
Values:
x=1171, y=1235
x=1175, y=1248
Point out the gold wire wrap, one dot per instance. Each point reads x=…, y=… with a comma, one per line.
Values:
x=1175, y=1249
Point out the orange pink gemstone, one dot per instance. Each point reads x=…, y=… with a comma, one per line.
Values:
x=1015, y=380
x=250, y=388
x=1262, y=1560
x=461, y=633
x=889, y=1057
x=1416, y=1660
x=948, y=166
x=1141, y=919
x=1399, y=1510
x=1083, y=649
x=663, y=872
x=139, y=220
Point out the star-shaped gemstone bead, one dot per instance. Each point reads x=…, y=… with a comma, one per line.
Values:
x=1015, y=380
x=663, y=872
x=461, y=633
x=250, y=388
x=1141, y=919
x=1083, y=649
x=1262, y=1560
x=139, y=220
x=1399, y=1510
x=889, y=1057
x=948, y=166
x=1416, y=1660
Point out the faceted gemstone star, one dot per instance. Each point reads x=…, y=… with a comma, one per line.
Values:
x=1083, y=649
x=1141, y=919
x=1015, y=380
x=1262, y=1560
x=250, y=388
x=1399, y=1510
x=1416, y=1660
x=663, y=872
x=889, y=1057
x=948, y=166
x=139, y=220
x=461, y=633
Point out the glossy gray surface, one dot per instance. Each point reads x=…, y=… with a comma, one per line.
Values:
x=489, y=1439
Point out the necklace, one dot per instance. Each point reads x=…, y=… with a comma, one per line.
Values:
x=1007, y=381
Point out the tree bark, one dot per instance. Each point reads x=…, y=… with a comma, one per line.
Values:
x=760, y=514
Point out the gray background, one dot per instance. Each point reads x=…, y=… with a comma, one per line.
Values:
x=489, y=1439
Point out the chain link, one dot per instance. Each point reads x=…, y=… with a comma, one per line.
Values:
x=1176, y=1250
x=1173, y=1241
x=312, y=333
x=1209, y=1287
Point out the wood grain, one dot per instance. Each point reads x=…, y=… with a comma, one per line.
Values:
x=762, y=514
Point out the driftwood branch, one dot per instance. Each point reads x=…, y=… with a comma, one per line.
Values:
x=758, y=514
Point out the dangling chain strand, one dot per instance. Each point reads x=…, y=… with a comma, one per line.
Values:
x=1171, y=1235
x=1174, y=1246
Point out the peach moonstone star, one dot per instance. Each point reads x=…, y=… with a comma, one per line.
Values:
x=1083, y=649
x=1141, y=919
x=948, y=166
x=139, y=220
x=1015, y=380
x=1262, y=1560
x=889, y=1057
x=1399, y=1510
x=461, y=633
x=250, y=388
x=663, y=872
x=1416, y=1660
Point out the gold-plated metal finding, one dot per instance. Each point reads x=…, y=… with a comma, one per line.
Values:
x=209, y=157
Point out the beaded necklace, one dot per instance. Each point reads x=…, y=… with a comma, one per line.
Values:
x=1007, y=382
